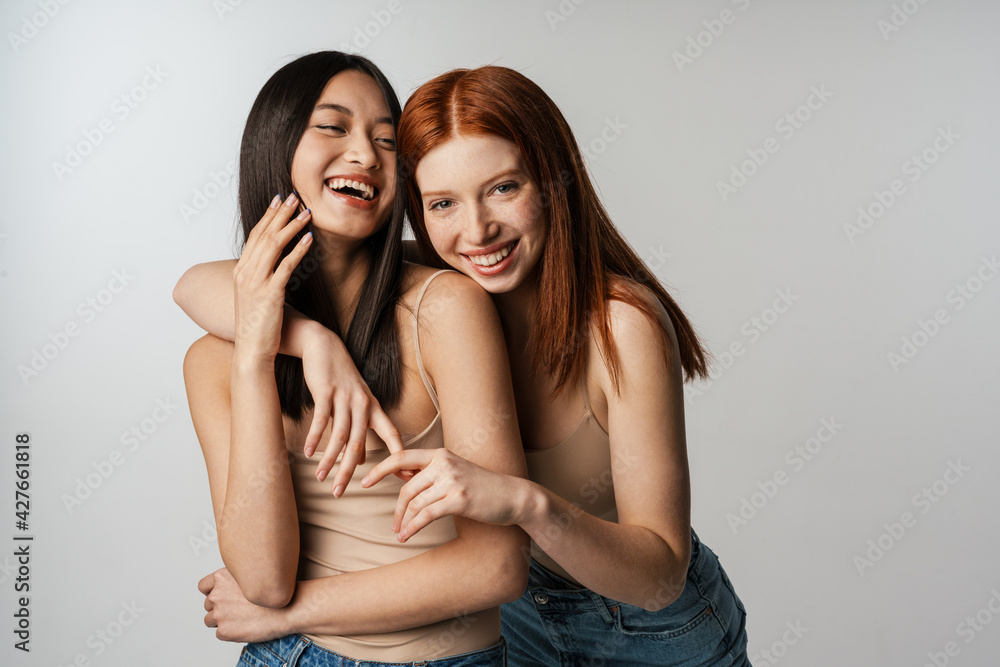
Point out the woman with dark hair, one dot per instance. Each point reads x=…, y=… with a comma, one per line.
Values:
x=498, y=190
x=323, y=127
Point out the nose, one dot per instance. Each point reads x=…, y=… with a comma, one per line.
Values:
x=361, y=151
x=482, y=228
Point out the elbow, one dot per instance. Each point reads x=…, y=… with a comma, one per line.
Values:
x=273, y=594
x=510, y=572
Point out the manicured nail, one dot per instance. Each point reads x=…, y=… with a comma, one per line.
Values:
x=338, y=491
x=275, y=201
x=364, y=482
x=321, y=475
x=304, y=214
x=292, y=200
x=309, y=452
x=307, y=239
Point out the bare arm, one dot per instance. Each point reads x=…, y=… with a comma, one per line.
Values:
x=485, y=565
x=643, y=558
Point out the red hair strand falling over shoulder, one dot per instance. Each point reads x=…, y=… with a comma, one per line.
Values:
x=583, y=253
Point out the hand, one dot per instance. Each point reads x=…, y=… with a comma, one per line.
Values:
x=236, y=619
x=260, y=285
x=339, y=390
x=446, y=485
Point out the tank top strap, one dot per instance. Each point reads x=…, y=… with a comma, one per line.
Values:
x=586, y=396
x=416, y=339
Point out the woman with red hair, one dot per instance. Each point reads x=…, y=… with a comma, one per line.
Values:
x=498, y=190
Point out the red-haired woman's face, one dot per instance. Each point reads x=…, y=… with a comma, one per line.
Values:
x=344, y=167
x=481, y=210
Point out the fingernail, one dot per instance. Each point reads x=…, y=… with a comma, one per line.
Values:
x=303, y=215
x=275, y=201
x=338, y=491
x=321, y=475
x=307, y=238
x=364, y=482
x=309, y=452
x=292, y=200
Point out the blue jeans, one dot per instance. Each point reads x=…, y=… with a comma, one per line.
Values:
x=556, y=623
x=299, y=651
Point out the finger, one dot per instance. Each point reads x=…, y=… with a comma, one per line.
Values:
x=384, y=428
x=422, y=500
x=407, y=493
x=209, y=605
x=287, y=266
x=210, y=620
x=354, y=454
x=338, y=435
x=359, y=422
x=321, y=417
x=328, y=459
x=207, y=583
x=419, y=522
x=409, y=459
x=264, y=220
x=262, y=251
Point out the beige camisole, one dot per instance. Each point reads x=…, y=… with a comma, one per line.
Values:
x=578, y=469
x=354, y=532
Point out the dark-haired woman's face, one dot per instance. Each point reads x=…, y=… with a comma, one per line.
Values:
x=482, y=210
x=344, y=168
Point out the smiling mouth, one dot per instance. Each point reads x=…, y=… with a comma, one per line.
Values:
x=493, y=258
x=356, y=189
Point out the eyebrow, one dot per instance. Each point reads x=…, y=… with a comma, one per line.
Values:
x=347, y=112
x=495, y=177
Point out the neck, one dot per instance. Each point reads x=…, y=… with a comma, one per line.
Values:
x=344, y=266
x=516, y=311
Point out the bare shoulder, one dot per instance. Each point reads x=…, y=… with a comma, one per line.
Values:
x=632, y=326
x=450, y=297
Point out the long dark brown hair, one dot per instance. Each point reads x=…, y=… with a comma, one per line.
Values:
x=583, y=250
x=277, y=120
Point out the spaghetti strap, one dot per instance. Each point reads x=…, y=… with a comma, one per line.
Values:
x=586, y=397
x=416, y=340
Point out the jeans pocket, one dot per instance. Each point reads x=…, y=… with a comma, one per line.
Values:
x=663, y=624
x=257, y=655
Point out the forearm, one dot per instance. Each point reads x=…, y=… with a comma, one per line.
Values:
x=258, y=532
x=205, y=294
x=456, y=578
x=629, y=563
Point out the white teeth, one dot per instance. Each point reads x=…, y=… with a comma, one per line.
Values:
x=338, y=183
x=491, y=260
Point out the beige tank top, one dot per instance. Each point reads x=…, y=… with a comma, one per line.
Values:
x=354, y=532
x=578, y=469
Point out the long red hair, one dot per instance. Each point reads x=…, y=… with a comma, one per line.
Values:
x=583, y=250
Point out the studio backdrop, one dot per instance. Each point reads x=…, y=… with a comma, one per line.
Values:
x=816, y=182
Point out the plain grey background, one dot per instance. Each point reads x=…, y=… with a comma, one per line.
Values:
x=815, y=181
